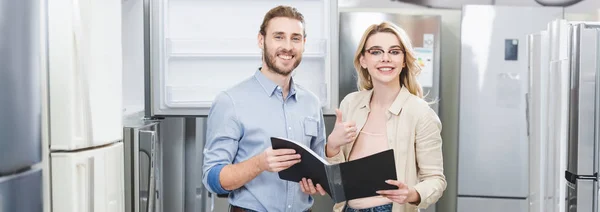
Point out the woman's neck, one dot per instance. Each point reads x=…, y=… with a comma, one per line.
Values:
x=384, y=94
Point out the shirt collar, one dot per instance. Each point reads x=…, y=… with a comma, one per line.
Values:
x=396, y=106
x=270, y=87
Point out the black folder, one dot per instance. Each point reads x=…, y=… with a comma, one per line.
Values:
x=344, y=181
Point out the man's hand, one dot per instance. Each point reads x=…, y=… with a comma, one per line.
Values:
x=308, y=188
x=278, y=159
x=342, y=133
x=402, y=195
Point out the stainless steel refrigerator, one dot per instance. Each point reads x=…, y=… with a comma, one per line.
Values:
x=583, y=147
x=20, y=111
x=564, y=117
x=493, y=150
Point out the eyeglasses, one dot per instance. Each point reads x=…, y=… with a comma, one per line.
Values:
x=379, y=52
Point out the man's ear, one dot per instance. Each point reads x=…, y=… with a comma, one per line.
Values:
x=261, y=41
x=304, y=45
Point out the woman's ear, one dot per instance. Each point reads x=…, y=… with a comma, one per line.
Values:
x=362, y=61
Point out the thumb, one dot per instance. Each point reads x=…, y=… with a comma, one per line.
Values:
x=338, y=115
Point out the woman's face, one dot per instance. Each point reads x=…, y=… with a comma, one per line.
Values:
x=383, y=58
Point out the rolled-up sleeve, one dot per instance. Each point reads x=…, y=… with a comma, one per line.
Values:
x=429, y=159
x=223, y=132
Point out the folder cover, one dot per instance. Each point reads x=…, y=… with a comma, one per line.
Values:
x=344, y=181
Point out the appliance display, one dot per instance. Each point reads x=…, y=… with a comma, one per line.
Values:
x=493, y=150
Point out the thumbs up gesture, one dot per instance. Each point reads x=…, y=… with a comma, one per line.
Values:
x=343, y=132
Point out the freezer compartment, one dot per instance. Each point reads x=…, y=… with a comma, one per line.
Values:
x=88, y=180
x=22, y=192
x=20, y=70
x=477, y=204
x=189, y=67
x=85, y=76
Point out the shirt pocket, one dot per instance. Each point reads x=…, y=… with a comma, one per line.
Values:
x=311, y=129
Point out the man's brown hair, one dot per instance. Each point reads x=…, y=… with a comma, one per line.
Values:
x=281, y=11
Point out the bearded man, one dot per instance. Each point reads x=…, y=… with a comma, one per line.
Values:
x=238, y=158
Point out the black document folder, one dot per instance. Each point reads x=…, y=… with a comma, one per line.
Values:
x=344, y=181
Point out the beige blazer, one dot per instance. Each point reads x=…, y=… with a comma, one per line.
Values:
x=413, y=131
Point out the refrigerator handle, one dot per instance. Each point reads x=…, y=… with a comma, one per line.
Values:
x=150, y=138
x=527, y=113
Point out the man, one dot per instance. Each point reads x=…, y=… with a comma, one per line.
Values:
x=238, y=158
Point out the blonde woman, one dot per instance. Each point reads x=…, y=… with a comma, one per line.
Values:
x=389, y=113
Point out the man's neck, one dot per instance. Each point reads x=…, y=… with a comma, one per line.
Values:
x=282, y=81
x=384, y=95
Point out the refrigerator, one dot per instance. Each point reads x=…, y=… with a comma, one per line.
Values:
x=183, y=63
x=20, y=129
x=83, y=106
x=548, y=115
x=583, y=151
x=493, y=150
x=424, y=33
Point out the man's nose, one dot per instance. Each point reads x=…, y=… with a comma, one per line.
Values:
x=288, y=44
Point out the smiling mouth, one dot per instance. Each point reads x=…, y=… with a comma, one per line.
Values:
x=285, y=57
x=385, y=69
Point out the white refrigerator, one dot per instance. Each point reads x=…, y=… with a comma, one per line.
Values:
x=493, y=150
x=83, y=107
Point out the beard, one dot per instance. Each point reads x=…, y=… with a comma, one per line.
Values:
x=270, y=61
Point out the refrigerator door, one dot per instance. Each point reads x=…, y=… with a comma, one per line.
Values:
x=22, y=192
x=493, y=149
x=188, y=61
x=88, y=180
x=558, y=94
x=584, y=66
x=143, y=165
x=85, y=76
x=20, y=135
x=583, y=149
x=537, y=109
x=423, y=31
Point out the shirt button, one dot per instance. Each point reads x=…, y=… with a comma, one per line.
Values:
x=278, y=88
x=289, y=128
x=289, y=206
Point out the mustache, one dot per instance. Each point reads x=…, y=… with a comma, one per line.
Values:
x=286, y=52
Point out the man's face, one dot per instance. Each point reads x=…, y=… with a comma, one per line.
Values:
x=283, y=45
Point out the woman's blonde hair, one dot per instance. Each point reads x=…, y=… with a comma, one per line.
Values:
x=408, y=74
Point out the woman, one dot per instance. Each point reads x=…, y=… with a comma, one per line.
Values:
x=389, y=112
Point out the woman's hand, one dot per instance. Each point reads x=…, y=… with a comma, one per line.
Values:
x=342, y=133
x=402, y=195
x=308, y=188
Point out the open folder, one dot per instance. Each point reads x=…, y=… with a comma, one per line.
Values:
x=344, y=181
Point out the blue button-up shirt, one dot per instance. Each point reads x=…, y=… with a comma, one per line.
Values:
x=240, y=123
